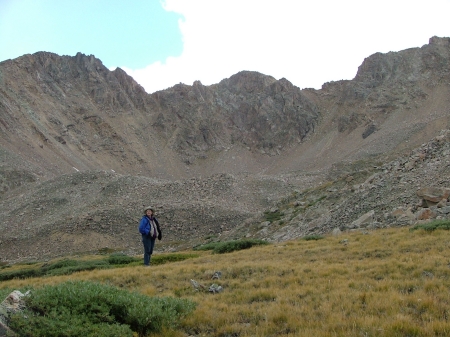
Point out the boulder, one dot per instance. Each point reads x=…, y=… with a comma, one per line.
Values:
x=11, y=304
x=425, y=214
x=433, y=194
x=444, y=210
x=365, y=219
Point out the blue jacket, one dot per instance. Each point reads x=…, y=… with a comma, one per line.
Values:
x=144, y=226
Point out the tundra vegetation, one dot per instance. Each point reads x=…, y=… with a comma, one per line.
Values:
x=386, y=282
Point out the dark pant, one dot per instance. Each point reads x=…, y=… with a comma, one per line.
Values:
x=149, y=243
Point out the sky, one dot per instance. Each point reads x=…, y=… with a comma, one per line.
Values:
x=163, y=43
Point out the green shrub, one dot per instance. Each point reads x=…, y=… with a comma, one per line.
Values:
x=433, y=225
x=20, y=274
x=230, y=246
x=63, y=267
x=4, y=292
x=67, y=267
x=312, y=237
x=91, y=309
x=120, y=258
x=60, y=264
x=273, y=216
x=161, y=259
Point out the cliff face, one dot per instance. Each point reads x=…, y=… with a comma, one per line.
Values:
x=249, y=110
x=392, y=82
x=60, y=113
x=75, y=113
x=396, y=102
x=83, y=148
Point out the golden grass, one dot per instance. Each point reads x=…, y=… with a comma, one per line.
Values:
x=389, y=282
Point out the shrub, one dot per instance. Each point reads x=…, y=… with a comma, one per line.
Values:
x=120, y=258
x=91, y=309
x=433, y=225
x=207, y=246
x=67, y=267
x=230, y=246
x=63, y=267
x=22, y=273
x=4, y=292
x=312, y=237
x=273, y=216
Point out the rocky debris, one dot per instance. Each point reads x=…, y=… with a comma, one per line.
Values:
x=213, y=288
x=405, y=191
x=13, y=303
x=89, y=211
x=217, y=275
x=197, y=286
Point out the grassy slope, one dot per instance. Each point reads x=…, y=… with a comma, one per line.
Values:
x=391, y=282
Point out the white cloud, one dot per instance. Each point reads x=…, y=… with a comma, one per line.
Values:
x=307, y=42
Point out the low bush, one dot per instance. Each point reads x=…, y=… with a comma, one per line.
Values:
x=312, y=237
x=120, y=258
x=230, y=246
x=433, y=225
x=92, y=309
x=67, y=267
x=4, y=292
x=273, y=216
x=21, y=273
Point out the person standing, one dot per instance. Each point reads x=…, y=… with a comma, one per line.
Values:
x=150, y=230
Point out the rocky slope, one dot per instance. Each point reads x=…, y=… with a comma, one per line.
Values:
x=83, y=149
x=365, y=195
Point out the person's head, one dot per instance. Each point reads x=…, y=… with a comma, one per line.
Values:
x=148, y=211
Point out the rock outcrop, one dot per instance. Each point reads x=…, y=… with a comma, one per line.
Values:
x=13, y=303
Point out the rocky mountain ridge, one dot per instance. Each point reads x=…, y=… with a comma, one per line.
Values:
x=83, y=149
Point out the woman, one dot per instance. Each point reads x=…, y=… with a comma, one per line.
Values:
x=149, y=228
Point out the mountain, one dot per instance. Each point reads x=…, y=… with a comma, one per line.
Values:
x=83, y=149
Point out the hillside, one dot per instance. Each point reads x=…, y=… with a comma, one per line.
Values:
x=83, y=149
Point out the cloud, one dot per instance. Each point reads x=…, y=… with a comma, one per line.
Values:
x=307, y=42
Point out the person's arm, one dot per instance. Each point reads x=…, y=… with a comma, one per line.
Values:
x=159, y=229
x=143, y=228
